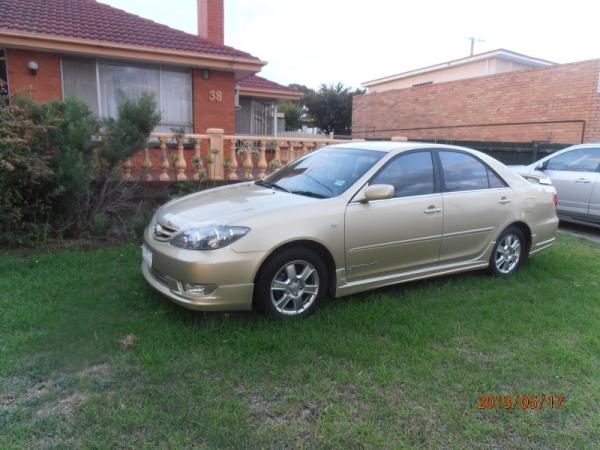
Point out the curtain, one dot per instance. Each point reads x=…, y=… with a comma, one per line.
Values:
x=117, y=82
x=171, y=87
x=79, y=80
x=176, y=98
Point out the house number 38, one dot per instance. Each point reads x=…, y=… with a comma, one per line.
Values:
x=215, y=96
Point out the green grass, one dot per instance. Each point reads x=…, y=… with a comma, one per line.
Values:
x=395, y=368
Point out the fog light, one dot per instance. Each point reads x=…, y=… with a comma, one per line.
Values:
x=197, y=290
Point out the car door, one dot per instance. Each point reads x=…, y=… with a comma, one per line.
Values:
x=401, y=233
x=574, y=174
x=594, y=210
x=476, y=203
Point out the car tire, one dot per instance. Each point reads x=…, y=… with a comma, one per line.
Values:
x=292, y=283
x=510, y=252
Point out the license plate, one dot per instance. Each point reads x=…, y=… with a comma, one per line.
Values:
x=147, y=256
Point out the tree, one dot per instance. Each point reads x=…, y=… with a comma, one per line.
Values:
x=331, y=107
x=293, y=115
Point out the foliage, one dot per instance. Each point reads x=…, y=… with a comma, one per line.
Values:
x=23, y=174
x=292, y=112
x=124, y=136
x=331, y=107
x=55, y=177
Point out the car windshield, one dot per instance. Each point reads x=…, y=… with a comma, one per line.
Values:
x=325, y=173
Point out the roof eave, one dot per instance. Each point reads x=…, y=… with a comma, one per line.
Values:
x=62, y=44
x=270, y=93
x=501, y=53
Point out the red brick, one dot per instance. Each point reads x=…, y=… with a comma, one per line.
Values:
x=504, y=107
x=45, y=85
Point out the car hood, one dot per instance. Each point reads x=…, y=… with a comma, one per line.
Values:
x=226, y=205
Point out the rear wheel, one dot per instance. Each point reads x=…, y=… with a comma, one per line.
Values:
x=293, y=282
x=509, y=252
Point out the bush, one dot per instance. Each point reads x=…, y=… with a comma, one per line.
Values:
x=53, y=180
x=23, y=173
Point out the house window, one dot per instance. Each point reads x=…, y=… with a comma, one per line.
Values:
x=3, y=78
x=102, y=84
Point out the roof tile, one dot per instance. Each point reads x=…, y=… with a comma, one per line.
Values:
x=256, y=82
x=88, y=19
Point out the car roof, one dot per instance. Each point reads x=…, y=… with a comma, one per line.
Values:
x=394, y=146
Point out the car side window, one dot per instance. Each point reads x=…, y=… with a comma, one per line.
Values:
x=578, y=160
x=410, y=174
x=463, y=172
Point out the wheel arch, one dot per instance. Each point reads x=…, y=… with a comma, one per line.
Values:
x=317, y=247
x=525, y=229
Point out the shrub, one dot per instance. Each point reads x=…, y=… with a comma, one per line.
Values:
x=23, y=173
x=53, y=179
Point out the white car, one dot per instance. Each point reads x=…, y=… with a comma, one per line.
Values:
x=575, y=173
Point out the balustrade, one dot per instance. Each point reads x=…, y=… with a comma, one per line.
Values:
x=216, y=156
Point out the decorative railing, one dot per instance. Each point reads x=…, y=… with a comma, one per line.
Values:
x=215, y=156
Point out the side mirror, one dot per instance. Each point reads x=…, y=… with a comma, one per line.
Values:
x=541, y=167
x=379, y=192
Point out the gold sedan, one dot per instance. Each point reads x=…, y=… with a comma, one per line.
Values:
x=345, y=219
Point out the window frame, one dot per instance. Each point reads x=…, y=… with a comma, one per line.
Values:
x=487, y=167
x=436, y=178
x=546, y=163
x=158, y=67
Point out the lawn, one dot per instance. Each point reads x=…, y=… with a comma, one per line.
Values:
x=91, y=357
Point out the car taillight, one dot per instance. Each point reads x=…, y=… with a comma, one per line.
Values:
x=555, y=199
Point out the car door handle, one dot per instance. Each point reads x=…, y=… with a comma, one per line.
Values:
x=432, y=210
x=504, y=201
x=582, y=180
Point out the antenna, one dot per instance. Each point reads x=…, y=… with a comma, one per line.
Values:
x=473, y=39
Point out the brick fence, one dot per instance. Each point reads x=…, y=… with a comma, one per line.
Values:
x=558, y=104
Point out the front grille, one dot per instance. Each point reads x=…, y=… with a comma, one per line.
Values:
x=163, y=233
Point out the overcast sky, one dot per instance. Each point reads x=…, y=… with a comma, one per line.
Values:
x=318, y=41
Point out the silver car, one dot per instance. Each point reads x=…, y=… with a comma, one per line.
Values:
x=575, y=173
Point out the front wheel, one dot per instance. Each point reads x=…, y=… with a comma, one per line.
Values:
x=293, y=282
x=509, y=252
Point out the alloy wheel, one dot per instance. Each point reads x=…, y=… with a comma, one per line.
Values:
x=294, y=287
x=508, y=253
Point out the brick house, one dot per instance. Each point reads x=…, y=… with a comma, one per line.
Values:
x=60, y=48
x=494, y=96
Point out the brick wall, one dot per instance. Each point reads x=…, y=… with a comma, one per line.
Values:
x=558, y=104
x=44, y=86
x=214, y=101
x=211, y=20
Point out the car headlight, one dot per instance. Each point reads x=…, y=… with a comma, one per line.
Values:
x=208, y=238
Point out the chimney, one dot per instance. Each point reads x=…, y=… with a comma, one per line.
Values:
x=211, y=20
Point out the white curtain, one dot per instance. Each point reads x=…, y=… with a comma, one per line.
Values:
x=117, y=82
x=79, y=80
x=171, y=87
x=176, y=98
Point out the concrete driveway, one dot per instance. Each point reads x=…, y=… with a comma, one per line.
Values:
x=582, y=231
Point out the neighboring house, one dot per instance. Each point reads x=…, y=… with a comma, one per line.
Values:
x=488, y=63
x=83, y=48
x=494, y=96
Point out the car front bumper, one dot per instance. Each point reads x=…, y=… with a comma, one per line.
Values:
x=231, y=272
x=223, y=298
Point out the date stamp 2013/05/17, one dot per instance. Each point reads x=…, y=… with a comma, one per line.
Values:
x=523, y=402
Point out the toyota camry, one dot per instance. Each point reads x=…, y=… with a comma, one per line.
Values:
x=344, y=219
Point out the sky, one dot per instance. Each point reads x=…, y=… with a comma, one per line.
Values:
x=312, y=42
